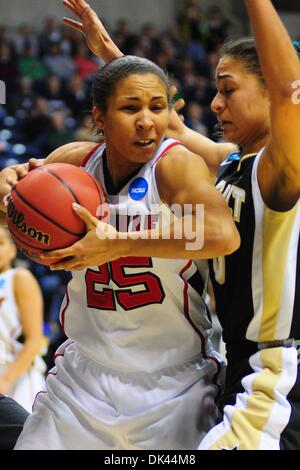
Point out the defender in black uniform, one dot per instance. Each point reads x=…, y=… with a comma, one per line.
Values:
x=257, y=288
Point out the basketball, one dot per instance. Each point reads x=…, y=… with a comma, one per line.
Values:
x=40, y=215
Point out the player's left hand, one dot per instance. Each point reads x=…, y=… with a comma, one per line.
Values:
x=97, y=247
x=176, y=125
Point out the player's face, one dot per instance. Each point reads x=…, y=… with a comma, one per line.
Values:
x=136, y=119
x=242, y=105
x=7, y=251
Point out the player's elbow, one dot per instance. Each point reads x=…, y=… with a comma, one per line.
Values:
x=228, y=238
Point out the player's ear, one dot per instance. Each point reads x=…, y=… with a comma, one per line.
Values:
x=98, y=117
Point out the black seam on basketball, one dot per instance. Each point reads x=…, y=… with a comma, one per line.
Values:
x=76, y=234
x=98, y=190
x=46, y=170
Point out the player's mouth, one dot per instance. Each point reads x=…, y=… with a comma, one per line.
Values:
x=148, y=143
x=225, y=123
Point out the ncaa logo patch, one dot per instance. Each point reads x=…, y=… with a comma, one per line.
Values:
x=138, y=189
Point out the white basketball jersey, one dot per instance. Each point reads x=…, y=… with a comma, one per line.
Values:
x=137, y=313
x=25, y=388
x=10, y=326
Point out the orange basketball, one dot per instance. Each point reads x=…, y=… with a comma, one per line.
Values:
x=40, y=215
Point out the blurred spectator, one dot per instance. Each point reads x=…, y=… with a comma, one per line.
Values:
x=68, y=42
x=24, y=39
x=3, y=34
x=217, y=26
x=173, y=34
x=58, y=64
x=84, y=132
x=30, y=65
x=36, y=126
x=194, y=118
x=58, y=134
x=85, y=64
x=23, y=97
x=191, y=21
x=54, y=93
x=200, y=91
x=123, y=37
x=9, y=71
x=76, y=96
x=50, y=33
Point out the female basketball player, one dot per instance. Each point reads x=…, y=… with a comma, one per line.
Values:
x=137, y=371
x=257, y=287
x=21, y=314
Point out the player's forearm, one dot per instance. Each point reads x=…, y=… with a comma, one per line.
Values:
x=274, y=48
x=109, y=50
x=212, y=153
x=24, y=360
x=188, y=238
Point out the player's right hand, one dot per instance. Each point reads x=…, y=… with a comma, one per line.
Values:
x=23, y=169
x=18, y=172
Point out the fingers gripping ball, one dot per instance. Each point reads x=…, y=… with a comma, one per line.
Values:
x=40, y=215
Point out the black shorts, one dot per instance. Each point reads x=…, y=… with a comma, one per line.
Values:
x=12, y=418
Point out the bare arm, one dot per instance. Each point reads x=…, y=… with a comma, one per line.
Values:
x=29, y=300
x=279, y=170
x=212, y=153
x=97, y=38
x=182, y=179
x=73, y=153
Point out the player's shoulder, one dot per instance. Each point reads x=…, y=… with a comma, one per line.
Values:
x=23, y=282
x=73, y=153
x=180, y=160
x=21, y=274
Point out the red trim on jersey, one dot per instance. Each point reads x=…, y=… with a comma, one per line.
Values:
x=186, y=307
x=39, y=393
x=91, y=152
x=62, y=315
x=57, y=355
x=165, y=151
x=52, y=373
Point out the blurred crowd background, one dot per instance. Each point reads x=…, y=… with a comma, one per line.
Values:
x=48, y=71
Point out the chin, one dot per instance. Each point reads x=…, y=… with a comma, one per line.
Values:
x=231, y=137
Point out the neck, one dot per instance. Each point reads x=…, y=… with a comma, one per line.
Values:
x=118, y=173
x=5, y=268
x=256, y=146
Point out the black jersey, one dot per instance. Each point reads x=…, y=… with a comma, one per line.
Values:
x=257, y=287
